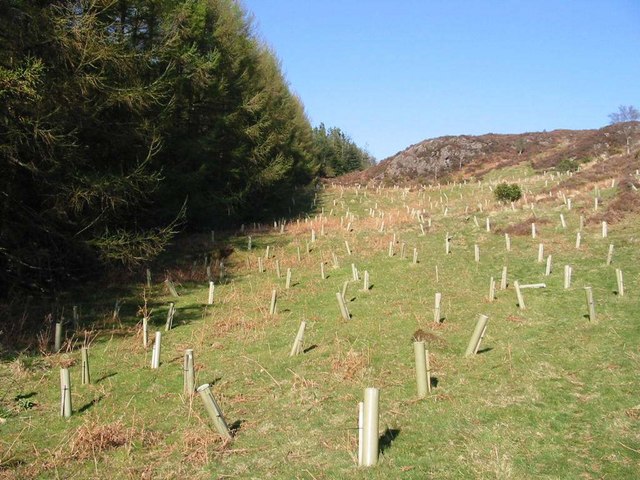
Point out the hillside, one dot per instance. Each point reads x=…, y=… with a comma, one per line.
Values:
x=551, y=392
x=461, y=157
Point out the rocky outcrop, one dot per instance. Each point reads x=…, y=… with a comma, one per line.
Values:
x=466, y=156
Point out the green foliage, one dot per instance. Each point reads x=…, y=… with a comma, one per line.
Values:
x=113, y=113
x=337, y=154
x=506, y=192
x=567, y=165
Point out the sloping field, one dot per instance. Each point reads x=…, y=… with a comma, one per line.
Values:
x=550, y=393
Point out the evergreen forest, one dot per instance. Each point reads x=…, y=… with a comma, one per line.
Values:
x=125, y=122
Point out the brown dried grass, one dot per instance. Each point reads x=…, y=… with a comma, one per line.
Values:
x=200, y=445
x=92, y=438
x=349, y=365
x=626, y=202
x=620, y=166
x=421, y=336
x=522, y=228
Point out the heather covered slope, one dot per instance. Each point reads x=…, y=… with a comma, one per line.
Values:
x=449, y=158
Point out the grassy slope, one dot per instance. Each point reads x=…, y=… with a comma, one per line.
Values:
x=551, y=394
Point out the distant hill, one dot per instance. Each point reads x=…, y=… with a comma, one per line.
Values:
x=449, y=158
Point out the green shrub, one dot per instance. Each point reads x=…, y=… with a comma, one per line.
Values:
x=507, y=192
x=567, y=165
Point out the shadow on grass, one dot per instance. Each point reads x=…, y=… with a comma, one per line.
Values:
x=104, y=377
x=484, y=350
x=214, y=381
x=235, y=426
x=387, y=438
x=24, y=396
x=308, y=349
x=185, y=263
x=87, y=406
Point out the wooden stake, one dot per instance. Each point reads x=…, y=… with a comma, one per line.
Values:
x=287, y=285
x=343, y=306
x=322, y=275
x=145, y=332
x=170, y=313
x=214, y=411
x=533, y=285
x=519, y=295
x=503, y=279
x=426, y=359
x=421, y=368
x=211, y=290
x=297, y=343
x=578, y=238
x=533, y=230
x=76, y=317
x=278, y=269
x=507, y=242
x=437, y=315
x=346, y=245
x=620, y=282
x=57, y=341
x=415, y=256
x=65, y=393
x=272, y=306
x=155, y=355
x=189, y=380
x=170, y=286
x=85, y=377
x=590, y=303
x=610, y=254
x=370, y=427
x=116, y=309
x=478, y=334
x=476, y=250
x=492, y=289
x=604, y=229
x=366, y=286
x=540, y=253
x=567, y=277
x=547, y=270
x=562, y=221
x=360, y=431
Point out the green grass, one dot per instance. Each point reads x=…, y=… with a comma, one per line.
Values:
x=551, y=395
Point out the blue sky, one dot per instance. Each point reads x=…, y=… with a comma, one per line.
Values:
x=393, y=73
